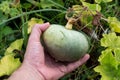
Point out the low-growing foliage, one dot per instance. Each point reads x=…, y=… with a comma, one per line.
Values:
x=99, y=19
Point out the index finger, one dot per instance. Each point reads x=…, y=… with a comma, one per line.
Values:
x=34, y=47
x=36, y=32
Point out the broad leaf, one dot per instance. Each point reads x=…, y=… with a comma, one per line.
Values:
x=109, y=60
x=105, y=1
x=98, y=1
x=14, y=45
x=86, y=15
x=8, y=64
x=108, y=72
x=14, y=12
x=82, y=0
x=3, y=17
x=32, y=22
x=109, y=67
x=46, y=4
x=93, y=7
x=26, y=5
x=4, y=6
x=6, y=30
x=114, y=24
x=110, y=40
x=51, y=3
x=117, y=54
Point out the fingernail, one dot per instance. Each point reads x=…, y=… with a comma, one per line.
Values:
x=47, y=23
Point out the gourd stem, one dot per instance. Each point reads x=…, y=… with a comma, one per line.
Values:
x=69, y=24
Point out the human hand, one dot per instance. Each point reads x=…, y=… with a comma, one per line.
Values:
x=42, y=64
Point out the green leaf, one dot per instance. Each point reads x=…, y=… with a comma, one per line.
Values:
x=109, y=67
x=51, y=3
x=14, y=45
x=2, y=16
x=82, y=0
x=4, y=6
x=86, y=15
x=26, y=5
x=98, y=1
x=8, y=64
x=46, y=4
x=14, y=12
x=110, y=40
x=108, y=59
x=108, y=72
x=105, y=1
x=32, y=22
x=114, y=24
x=112, y=19
x=117, y=54
x=93, y=7
x=6, y=30
x=36, y=3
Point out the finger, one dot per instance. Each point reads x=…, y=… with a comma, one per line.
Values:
x=34, y=49
x=36, y=32
x=72, y=66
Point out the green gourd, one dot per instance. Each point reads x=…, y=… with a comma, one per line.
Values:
x=65, y=44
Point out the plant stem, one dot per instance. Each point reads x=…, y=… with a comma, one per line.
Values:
x=69, y=24
x=104, y=19
x=31, y=12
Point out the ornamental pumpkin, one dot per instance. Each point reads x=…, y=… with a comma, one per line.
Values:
x=65, y=44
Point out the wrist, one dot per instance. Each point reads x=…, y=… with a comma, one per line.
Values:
x=26, y=72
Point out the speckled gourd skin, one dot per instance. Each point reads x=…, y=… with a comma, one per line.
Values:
x=64, y=44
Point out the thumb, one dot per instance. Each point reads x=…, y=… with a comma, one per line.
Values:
x=72, y=66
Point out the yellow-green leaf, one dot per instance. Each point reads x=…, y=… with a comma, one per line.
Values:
x=9, y=64
x=98, y=1
x=109, y=67
x=105, y=1
x=32, y=22
x=93, y=7
x=114, y=24
x=14, y=45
